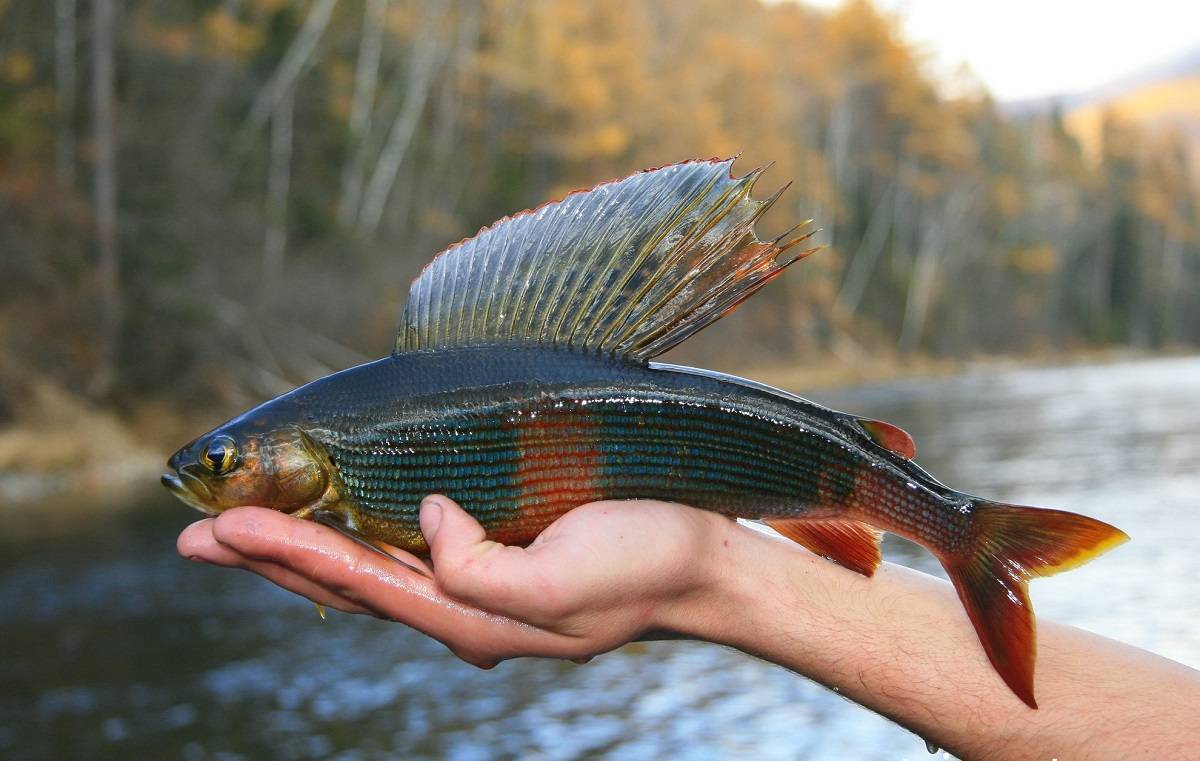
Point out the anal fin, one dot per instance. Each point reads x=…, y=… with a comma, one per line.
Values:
x=850, y=543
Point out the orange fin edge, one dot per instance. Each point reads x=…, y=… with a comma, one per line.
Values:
x=852, y=544
x=1014, y=545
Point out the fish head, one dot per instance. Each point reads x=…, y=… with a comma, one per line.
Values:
x=237, y=464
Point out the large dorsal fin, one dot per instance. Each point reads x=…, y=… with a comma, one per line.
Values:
x=629, y=268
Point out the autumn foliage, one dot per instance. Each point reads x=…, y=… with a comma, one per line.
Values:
x=284, y=168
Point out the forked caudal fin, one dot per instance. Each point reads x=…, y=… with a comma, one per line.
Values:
x=1013, y=545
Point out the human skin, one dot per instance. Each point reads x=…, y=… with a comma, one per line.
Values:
x=608, y=573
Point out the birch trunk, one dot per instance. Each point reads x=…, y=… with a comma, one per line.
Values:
x=862, y=263
x=279, y=178
x=939, y=234
x=283, y=81
x=1172, y=277
x=64, y=89
x=426, y=50
x=104, y=184
x=366, y=78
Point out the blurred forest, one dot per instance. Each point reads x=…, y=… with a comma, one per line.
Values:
x=204, y=202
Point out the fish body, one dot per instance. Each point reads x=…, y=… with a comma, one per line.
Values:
x=518, y=455
x=519, y=437
x=522, y=386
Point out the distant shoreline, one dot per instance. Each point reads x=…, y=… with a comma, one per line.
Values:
x=831, y=371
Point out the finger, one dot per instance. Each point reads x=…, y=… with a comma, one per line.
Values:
x=198, y=543
x=483, y=573
x=293, y=582
x=367, y=578
x=302, y=545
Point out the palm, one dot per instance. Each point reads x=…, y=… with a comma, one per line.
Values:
x=593, y=580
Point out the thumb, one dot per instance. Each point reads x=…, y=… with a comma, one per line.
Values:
x=447, y=527
x=466, y=564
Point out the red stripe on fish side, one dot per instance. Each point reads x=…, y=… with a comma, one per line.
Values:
x=551, y=480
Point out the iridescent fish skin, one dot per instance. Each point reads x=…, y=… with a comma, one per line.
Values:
x=522, y=387
x=518, y=437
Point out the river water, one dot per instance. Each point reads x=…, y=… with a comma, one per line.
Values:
x=111, y=647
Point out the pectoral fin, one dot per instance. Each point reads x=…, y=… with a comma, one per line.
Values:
x=336, y=522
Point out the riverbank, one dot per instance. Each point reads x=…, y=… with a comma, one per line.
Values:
x=63, y=447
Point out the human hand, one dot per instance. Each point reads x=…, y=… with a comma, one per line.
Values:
x=602, y=575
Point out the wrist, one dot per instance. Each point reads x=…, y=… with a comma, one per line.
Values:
x=743, y=577
x=775, y=600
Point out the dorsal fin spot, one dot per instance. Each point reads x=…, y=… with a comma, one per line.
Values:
x=629, y=268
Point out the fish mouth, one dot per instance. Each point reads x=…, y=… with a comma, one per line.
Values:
x=190, y=493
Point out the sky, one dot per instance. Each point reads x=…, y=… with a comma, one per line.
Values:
x=1030, y=48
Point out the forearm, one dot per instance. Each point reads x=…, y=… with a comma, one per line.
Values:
x=900, y=644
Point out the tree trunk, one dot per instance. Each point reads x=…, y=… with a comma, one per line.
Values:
x=104, y=182
x=426, y=49
x=1172, y=276
x=283, y=81
x=920, y=286
x=862, y=263
x=443, y=181
x=279, y=178
x=64, y=90
x=939, y=233
x=366, y=78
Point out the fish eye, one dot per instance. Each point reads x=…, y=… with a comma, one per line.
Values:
x=220, y=455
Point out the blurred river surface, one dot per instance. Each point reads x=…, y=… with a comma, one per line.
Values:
x=114, y=648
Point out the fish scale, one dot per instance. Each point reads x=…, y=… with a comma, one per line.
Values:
x=521, y=385
x=709, y=454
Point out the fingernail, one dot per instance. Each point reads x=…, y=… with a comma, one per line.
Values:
x=431, y=517
x=196, y=559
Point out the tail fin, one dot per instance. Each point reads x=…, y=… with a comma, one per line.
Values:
x=1013, y=545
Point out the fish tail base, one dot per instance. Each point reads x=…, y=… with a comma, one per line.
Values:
x=1014, y=544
